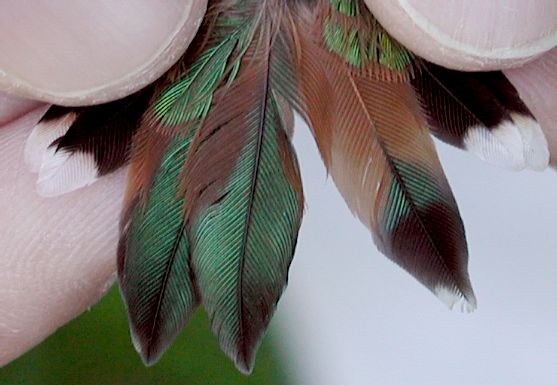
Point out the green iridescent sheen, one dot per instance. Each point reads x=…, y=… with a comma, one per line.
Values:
x=414, y=188
x=190, y=98
x=244, y=244
x=156, y=279
x=361, y=47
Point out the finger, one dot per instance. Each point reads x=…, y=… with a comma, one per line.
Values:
x=471, y=34
x=57, y=255
x=537, y=84
x=12, y=107
x=84, y=52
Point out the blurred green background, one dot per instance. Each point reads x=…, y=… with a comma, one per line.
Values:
x=96, y=349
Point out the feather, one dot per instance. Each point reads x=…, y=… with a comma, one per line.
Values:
x=154, y=251
x=483, y=113
x=154, y=258
x=245, y=199
x=376, y=146
x=72, y=147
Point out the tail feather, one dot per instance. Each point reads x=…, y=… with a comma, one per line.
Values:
x=154, y=269
x=377, y=147
x=245, y=200
x=71, y=148
x=483, y=113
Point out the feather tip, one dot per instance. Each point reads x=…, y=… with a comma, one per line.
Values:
x=62, y=172
x=516, y=144
x=450, y=297
x=149, y=354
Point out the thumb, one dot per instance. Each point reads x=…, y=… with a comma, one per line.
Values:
x=471, y=34
x=78, y=52
x=537, y=85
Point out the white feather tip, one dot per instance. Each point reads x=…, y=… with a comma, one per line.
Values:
x=42, y=136
x=516, y=144
x=451, y=297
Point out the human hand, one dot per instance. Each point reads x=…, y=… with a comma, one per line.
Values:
x=58, y=254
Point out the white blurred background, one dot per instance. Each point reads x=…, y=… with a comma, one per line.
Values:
x=351, y=317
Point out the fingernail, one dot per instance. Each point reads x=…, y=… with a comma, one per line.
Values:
x=471, y=34
x=83, y=52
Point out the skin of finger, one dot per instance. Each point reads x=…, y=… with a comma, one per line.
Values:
x=13, y=107
x=87, y=52
x=537, y=84
x=57, y=256
x=471, y=34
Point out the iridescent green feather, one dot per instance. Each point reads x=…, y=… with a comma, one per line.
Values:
x=243, y=245
x=244, y=240
x=154, y=261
